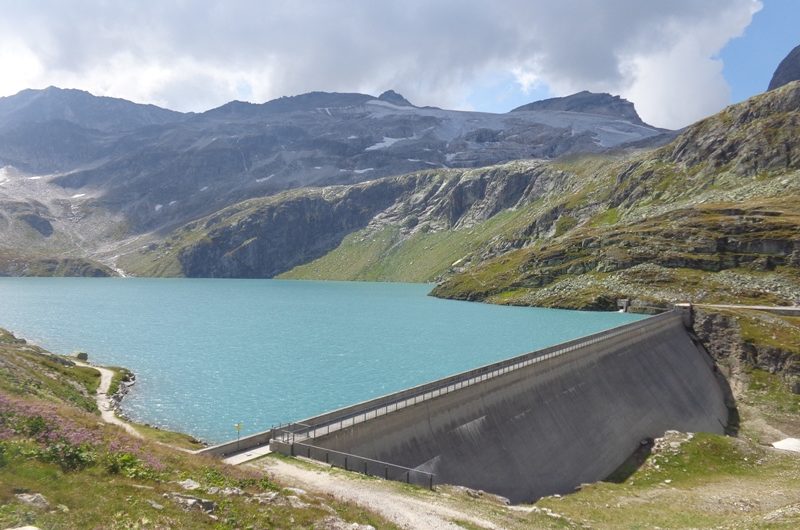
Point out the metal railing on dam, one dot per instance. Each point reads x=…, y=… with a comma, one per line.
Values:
x=533, y=425
x=330, y=422
x=361, y=464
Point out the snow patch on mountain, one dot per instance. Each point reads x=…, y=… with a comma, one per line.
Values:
x=387, y=142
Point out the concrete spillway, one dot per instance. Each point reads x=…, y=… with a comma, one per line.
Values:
x=535, y=425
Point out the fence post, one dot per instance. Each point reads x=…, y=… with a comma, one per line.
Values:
x=431, y=486
x=386, y=472
x=345, y=464
x=408, y=477
x=365, y=467
x=327, y=457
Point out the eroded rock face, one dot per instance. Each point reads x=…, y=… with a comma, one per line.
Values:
x=276, y=237
x=588, y=102
x=749, y=138
x=788, y=70
x=721, y=335
x=271, y=237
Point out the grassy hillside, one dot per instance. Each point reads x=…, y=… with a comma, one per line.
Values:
x=92, y=475
x=712, y=252
x=388, y=254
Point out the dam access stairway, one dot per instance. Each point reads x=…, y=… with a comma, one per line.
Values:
x=533, y=425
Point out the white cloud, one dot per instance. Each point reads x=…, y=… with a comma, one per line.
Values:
x=684, y=81
x=196, y=55
x=21, y=66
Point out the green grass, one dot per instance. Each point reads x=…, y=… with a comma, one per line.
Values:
x=389, y=255
x=120, y=375
x=564, y=224
x=126, y=502
x=769, y=392
x=705, y=456
x=609, y=217
x=782, y=332
x=466, y=524
x=40, y=373
x=681, y=488
x=175, y=439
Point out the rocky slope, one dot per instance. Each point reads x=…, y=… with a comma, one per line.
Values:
x=590, y=103
x=744, y=339
x=53, y=105
x=788, y=70
x=45, y=231
x=264, y=237
x=712, y=216
x=27, y=265
x=159, y=169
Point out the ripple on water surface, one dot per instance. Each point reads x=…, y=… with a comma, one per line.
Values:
x=210, y=353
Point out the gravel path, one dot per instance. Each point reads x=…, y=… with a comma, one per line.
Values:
x=406, y=511
x=104, y=400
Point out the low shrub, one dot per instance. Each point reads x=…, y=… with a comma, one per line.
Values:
x=128, y=465
x=69, y=456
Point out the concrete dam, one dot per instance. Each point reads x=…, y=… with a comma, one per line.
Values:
x=534, y=425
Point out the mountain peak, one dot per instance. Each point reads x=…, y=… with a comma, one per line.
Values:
x=315, y=100
x=788, y=70
x=390, y=96
x=590, y=103
x=81, y=108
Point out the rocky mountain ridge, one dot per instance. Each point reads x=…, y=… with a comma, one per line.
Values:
x=81, y=108
x=710, y=216
x=788, y=70
x=588, y=102
x=159, y=169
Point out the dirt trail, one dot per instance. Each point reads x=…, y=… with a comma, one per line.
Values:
x=104, y=400
x=406, y=511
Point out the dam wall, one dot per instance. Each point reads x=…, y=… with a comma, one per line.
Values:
x=535, y=425
x=233, y=447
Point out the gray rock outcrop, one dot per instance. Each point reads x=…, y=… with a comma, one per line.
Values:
x=33, y=499
x=590, y=103
x=788, y=70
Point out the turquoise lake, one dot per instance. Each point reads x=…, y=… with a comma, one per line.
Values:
x=211, y=353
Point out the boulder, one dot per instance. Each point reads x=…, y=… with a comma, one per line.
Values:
x=33, y=499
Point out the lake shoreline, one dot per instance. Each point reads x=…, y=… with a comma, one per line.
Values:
x=210, y=354
x=111, y=404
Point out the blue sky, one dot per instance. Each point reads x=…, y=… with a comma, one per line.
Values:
x=751, y=59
